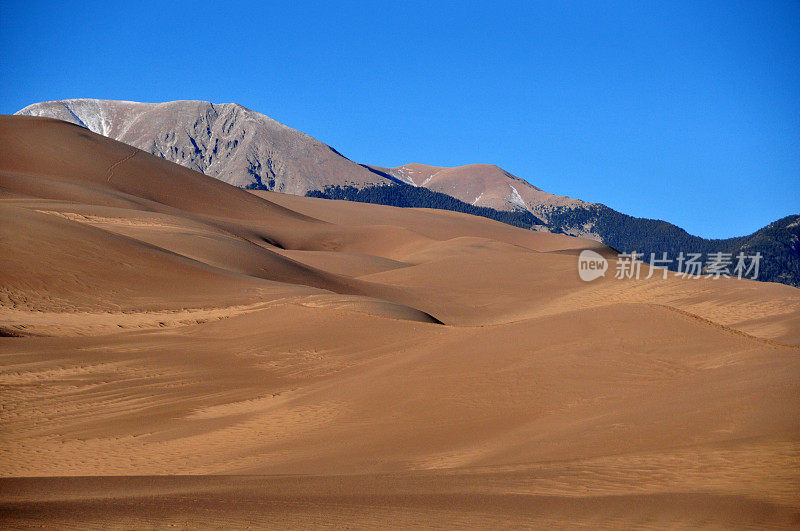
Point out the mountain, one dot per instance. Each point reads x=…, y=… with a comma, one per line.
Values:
x=227, y=141
x=250, y=150
x=778, y=243
x=483, y=185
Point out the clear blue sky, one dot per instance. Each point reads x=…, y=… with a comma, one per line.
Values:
x=683, y=111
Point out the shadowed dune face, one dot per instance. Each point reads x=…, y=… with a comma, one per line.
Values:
x=371, y=365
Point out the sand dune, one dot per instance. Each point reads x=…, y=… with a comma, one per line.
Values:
x=177, y=351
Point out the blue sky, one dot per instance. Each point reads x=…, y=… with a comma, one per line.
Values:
x=683, y=111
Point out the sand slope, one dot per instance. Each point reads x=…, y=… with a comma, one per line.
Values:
x=179, y=351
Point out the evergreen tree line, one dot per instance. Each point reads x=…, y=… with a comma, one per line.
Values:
x=778, y=242
x=405, y=195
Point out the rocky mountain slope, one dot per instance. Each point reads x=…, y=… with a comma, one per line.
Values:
x=226, y=141
x=483, y=185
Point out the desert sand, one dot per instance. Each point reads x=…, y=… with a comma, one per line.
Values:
x=179, y=352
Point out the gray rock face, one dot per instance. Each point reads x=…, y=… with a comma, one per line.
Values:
x=227, y=141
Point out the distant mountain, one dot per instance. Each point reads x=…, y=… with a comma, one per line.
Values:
x=226, y=141
x=778, y=243
x=484, y=185
x=251, y=150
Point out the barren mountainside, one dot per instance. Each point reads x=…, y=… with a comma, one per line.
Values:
x=484, y=185
x=227, y=141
